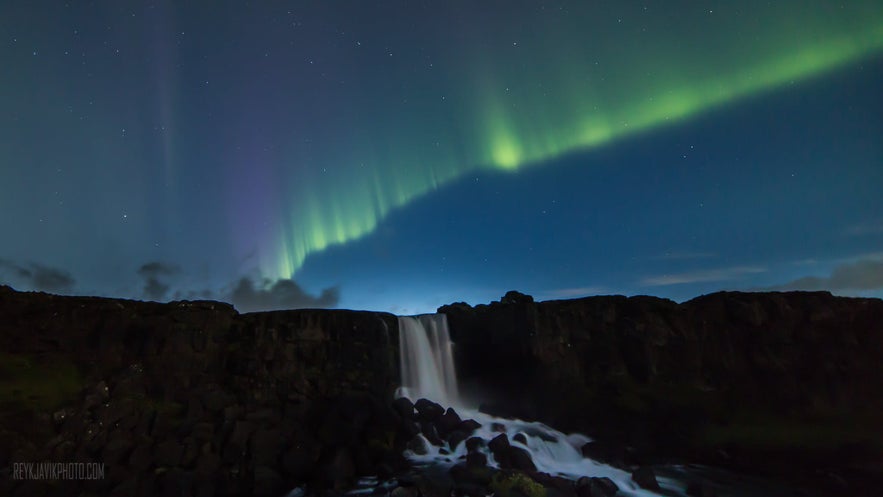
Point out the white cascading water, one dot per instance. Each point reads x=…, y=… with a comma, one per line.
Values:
x=427, y=359
x=427, y=366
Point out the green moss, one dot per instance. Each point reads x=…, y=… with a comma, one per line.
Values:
x=515, y=484
x=40, y=384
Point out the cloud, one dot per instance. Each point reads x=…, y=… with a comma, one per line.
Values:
x=247, y=296
x=38, y=276
x=574, y=292
x=682, y=256
x=859, y=275
x=865, y=229
x=723, y=274
x=158, y=269
x=154, y=273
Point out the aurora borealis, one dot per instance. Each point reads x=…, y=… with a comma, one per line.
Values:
x=315, y=141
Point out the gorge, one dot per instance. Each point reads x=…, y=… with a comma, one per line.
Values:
x=193, y=398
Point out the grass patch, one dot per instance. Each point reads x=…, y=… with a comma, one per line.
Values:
x=516, y=484
x=40, y=384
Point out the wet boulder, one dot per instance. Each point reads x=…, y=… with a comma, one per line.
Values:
x=596, y=487
x=468, y=425
x=498, y=444
x=428, y=410
x=463, y=474
x=404, y=407
x=431, y=434
x=418, y=446
x=455, y=438
x=474, y=443
x=448, y=422
x=645, y=478
x=476, y=459
x=517, y=458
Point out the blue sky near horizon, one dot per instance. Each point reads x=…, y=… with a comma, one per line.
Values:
x=405, y=156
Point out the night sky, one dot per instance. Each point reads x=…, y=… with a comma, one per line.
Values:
x=402, y=155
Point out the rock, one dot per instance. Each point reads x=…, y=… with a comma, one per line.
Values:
x=462, y=474
x=468, y=426
x=266, y=446
x=448, y=422
x=338, y=471
x=208, y=464
x=649, y=372
x=404, y=407
x=195, y=410
x=141, y=457
x=516, y=458
x=232, y=413
x=470, y=490
x=418, y=445
x=514, y=297
x=604, y=487
x=456, y=438
x=406, y=481
x=408, y=428
x=216, y=401
x=428, y=411
x=555, y=485
x=428, y=430
x=405, y=492
x=476, y=459
x=596, y=487
x=701, y=489
x=117, y=449
x=237, y=442
x=498, y=443
x=509, y=456
x=267, y=482
x=474, y=443
x=192, y=451
x=126, y=488
x=203, y=432
x=264, y=416
x=520, y=438
x=174, y=482
x=645, y=478
x=299, y=461
x=168, y=453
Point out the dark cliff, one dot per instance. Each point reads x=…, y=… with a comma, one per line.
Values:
x=776, y=381
x=192, y=397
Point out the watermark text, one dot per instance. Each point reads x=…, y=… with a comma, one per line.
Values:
x=57, y=471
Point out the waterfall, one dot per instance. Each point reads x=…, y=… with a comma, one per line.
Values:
x=427, y=367
x=427, y=359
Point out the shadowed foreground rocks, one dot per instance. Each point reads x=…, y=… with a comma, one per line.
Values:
x=787, y=384
x=193, y=398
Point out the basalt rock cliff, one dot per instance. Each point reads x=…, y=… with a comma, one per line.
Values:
x=193, y=398
x=782, y=383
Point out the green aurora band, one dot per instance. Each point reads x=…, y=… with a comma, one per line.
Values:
x=552, y=91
